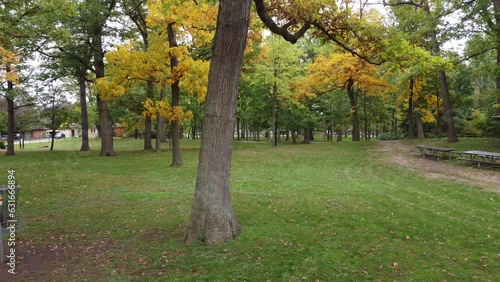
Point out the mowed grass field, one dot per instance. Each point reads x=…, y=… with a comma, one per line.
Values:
x=320, y=212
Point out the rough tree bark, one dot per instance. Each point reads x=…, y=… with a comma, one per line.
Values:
x=213, y=220
x=104, y=118
x=106, y=128
x=420, y=127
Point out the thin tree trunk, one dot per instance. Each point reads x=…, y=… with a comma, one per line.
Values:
x=148, y=123
x=365, y=118
x=85, y=116
x=354, y=110
x=10, y=120
x=275, y=113
x=53, y=122
x=160, y=124
x=213, y=219
x=438, y=118
x=238, y=129
x=176, y=140
x=176, y=97
x=411, y=133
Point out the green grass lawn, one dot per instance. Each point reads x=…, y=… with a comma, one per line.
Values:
x=321, y=212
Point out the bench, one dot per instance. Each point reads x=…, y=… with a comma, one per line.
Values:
x=437, y=152
x=481, y=157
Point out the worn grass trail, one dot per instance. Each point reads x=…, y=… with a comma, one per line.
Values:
x=324, y=211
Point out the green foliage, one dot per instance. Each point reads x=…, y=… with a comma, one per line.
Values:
x=476, y=124
x=2, y=144
x=3, y=121
x=391, y=136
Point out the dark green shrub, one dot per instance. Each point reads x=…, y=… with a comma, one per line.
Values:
x=390, y=136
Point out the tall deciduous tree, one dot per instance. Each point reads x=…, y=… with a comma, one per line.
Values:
x=430, y=20
x=279, y=63
x=481, y=22
x=212, y=218
x=17, y=19
x=137, y=12
x=99, y=15
x=151, y=66
x=342, y=70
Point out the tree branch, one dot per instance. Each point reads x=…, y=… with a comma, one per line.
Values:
x=344, y=46
x=283, y=31
x=409, y=2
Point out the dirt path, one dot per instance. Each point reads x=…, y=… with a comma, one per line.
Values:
x=406, y=155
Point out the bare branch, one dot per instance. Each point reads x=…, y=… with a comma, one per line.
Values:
x=409, y=2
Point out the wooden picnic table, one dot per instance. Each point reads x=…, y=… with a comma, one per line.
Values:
x=482, y=157
x=431, y=151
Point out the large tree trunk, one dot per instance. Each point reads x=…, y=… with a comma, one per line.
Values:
x=354, y=110
x=213, y=219
x=106, y=129
x=339, y=135
x=10, y=120
x=411, y=133
x=176, y=98
x=307, y=136
x=450, y=126
x=148, y=125
x=420, y=128
x=85, y=115
x=104, y=117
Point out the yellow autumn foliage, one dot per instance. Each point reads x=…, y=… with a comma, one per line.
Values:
x=153, y=108
x=8, y=62
x=130, y=66
x=333, y=72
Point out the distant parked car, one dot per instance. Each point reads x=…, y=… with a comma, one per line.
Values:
x=59, y=135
